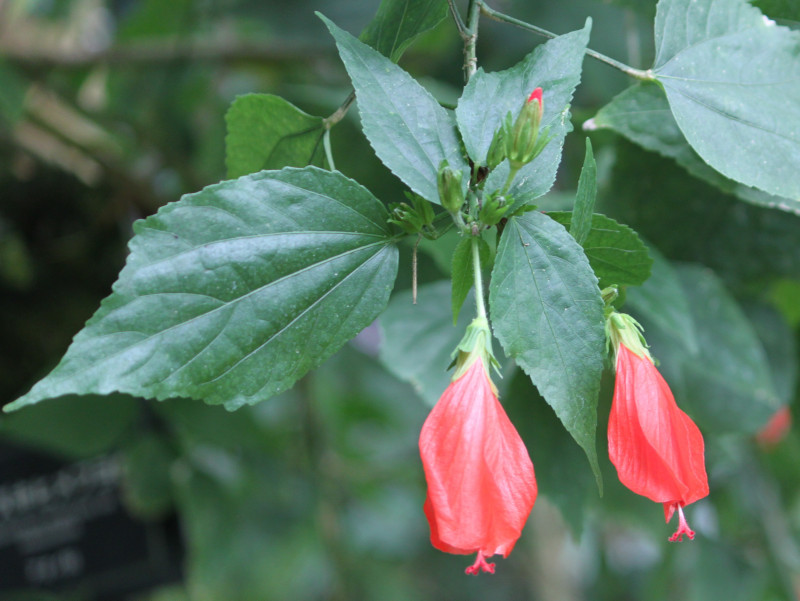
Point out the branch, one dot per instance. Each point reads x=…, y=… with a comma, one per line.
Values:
x=157, y=52
x=503, y=18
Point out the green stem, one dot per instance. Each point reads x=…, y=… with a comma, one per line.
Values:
x=471, y=42
x=478, y=274
x=502, y=17
x=462, y=29
x=339, y=114
x=326, y=142
x=458, y=219
x=511, y=175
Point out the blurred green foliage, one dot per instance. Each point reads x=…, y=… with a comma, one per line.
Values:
x=109, y=109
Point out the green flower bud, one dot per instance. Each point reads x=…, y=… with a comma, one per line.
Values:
x=449, y=184
x=494, y=209
x=521, y=139
x=413, y=218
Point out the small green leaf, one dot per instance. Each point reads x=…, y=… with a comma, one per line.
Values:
x=547, y=313
x=398, y=22
x=418, y=340
x=731, y=80
x=555, y=66
x=268, y=132
x=584, y=199
x=642, y=114
x=233, y=293
x=615, y=252
x=463, y=273
x=409, y=131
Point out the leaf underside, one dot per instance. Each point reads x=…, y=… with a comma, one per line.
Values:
x=732, y=79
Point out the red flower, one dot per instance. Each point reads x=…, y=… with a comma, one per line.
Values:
x=777, y=427
x=657, y=449
x=481, y=485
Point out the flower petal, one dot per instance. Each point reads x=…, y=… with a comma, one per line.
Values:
x=657, y=449
x=481, y=483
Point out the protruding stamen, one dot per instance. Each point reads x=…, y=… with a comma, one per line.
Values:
x=481, y=565
x=683, y=527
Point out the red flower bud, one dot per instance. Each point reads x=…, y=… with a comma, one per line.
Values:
x=536, y=95
x=481, y=484
x=657, y=449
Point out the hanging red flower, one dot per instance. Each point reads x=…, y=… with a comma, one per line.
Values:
x=481, y=484
x=657, y=449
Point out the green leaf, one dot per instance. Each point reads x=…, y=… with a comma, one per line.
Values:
x=268, y=132
x=785, y=295
x=231, y=294
x=410, y=132
x=729, y=382
x=642, y=114
x=661, y=301
x=726, y=385
x=547, y=313
x=584, y=199
x=615, y=252
x=778, y=341
x=463, y=273
x=553, y=451
x=555, y=66
x=731, y=80
x=147, y=466
x=398, y=22
x=418, y=340
x=690, y=221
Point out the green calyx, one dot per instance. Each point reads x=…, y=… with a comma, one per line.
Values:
x=476, y=344
x=497, y=150
x=621, y=328
x=413, y=218
x=494, y=208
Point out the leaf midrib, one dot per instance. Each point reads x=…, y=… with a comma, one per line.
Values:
x=215, y=309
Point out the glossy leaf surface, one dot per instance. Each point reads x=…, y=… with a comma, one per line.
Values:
x=231, y=294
